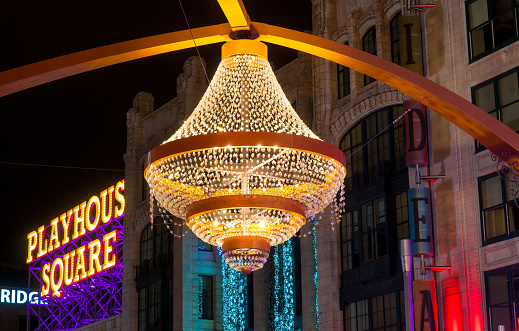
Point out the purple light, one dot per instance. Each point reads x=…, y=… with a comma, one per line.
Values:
x=90, y=300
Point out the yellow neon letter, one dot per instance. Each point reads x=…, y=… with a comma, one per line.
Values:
x=45, y=276
x=56, y=286
x=80, y=265
x=65, y=222
x=33, y=242
x=42, y=242
x=112, y=236
x=119, y=196
x=107, y=204
x=69, y=262
x=54, y=238
x=94, y=266
x=93, y=202
x=79, y=220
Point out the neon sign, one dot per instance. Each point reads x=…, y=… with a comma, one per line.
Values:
x=87, y=260
x=17, y=296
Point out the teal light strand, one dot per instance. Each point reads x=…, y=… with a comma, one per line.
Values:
x=234, y=288
x=283, y=309
x=277, y=287
x=314, y=239
x=288, y=285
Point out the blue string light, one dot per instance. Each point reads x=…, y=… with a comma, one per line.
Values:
x=314, y=239
x=234, y=286
x=288, y=285
x=283, y=288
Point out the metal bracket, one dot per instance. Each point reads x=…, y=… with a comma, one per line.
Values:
x=431, y=178
x=418, y=7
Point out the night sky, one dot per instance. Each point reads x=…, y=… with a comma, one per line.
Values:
x=80, y=121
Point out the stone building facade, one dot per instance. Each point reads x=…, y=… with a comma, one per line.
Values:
x=359, y=284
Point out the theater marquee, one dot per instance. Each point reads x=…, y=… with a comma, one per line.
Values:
x=71, y=263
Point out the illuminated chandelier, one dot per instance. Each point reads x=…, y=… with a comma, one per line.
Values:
x=243, y=170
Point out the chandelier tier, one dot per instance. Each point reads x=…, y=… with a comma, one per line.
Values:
x=243, y=170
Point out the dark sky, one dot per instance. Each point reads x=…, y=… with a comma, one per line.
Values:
x=80, y=121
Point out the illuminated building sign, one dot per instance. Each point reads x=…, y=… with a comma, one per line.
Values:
x=420, y=222
x=18, y=296
x=84, y=261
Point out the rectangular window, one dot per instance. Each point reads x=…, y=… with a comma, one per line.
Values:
x=350, y=237
x=383, y=312
x=343, y=80
x=205, y=297
x=374, y=238
x=169, y=312
x=369, y=45
x=499, y=213
x=378, y=150
x=364, y=234
x=154, y=304
x=500, y=98
x=398, y=138
x=395, y=39
x=502, y=291
x=402, y=217
x=142, y=309
x=492, y=24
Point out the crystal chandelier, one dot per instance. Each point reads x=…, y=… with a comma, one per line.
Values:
x=243, y=170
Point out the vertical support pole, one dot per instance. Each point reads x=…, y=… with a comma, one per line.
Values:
x=407, y=268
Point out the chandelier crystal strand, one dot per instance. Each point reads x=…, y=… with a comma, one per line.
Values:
x=244, y=170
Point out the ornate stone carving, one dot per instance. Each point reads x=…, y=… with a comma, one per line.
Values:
x=142, y=220
x=130, y=127
x=362, y=108
x=339, y=34
x=318, y=20
x=371, y=14
x=389, y=4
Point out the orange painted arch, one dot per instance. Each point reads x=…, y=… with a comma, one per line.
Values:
x=494, y=135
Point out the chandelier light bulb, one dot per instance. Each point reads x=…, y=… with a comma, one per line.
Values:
x=243, y=170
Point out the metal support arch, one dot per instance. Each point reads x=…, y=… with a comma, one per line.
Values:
x=493, y=134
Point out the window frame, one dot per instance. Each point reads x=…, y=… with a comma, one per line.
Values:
x=205, y=302
x=505, y=203
x=394, y=36
x=369, y=313
x=514, y=9
x=497, y=104
x=343, y=85
x=512, y=300
x=358, y=169
x=351, y=233
x=369, y=39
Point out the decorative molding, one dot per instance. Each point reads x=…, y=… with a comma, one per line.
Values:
x=130, y=127
x=389, y=5
x=494, y=64
x=370, y=15
x=318, y=17
x=338, y=35
x=363, y=107
x=143, y=218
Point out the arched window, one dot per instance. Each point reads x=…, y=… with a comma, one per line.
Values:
x=156, y=246
x=382, y=156
x=376, y=184
x=369, y=44
x=395, y=39
x=374, y=221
